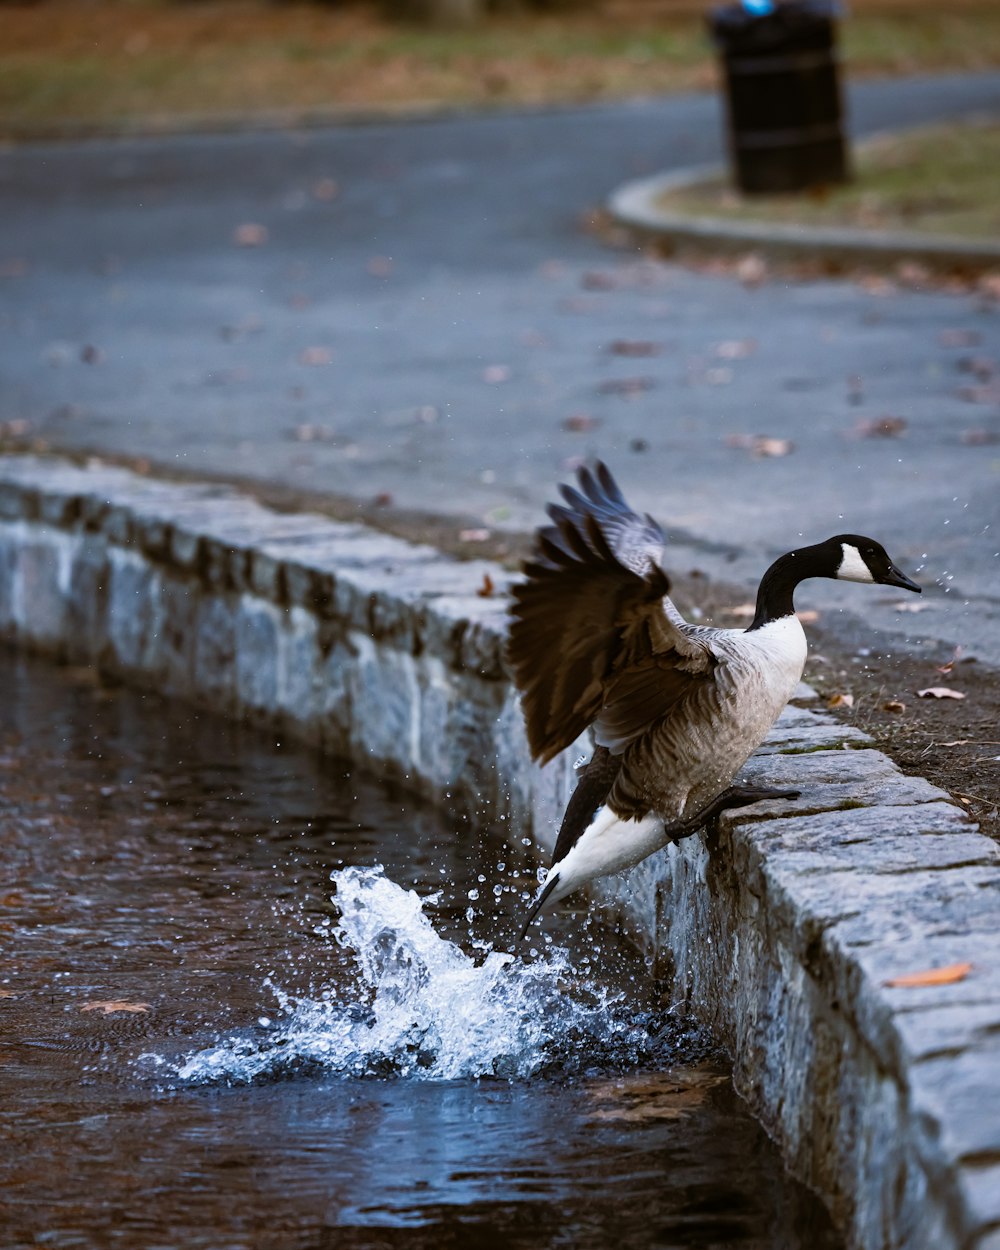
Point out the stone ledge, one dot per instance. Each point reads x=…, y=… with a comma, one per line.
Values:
x=780, y=927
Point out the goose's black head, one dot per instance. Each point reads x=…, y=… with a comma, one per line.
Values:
x=860, y=559
x=848, y=557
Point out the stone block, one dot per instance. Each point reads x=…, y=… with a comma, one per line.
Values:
x=258, y=626
x=87, y=599
x=132, y=620
x=40, y=582
x=175, y=640
x=213, y=675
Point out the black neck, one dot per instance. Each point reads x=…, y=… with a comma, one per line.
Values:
x=777, y=586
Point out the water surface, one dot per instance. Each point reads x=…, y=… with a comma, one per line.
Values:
x=250, y=999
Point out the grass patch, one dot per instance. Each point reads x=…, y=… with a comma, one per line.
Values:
x=126, y=60
x=939, y=180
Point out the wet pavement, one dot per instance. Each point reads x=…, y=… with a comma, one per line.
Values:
x=199, y=1051
x=414, y=313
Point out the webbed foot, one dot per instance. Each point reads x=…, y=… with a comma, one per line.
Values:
x=735, y=796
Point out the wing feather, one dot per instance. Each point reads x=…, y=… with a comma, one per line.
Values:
x=594, y=637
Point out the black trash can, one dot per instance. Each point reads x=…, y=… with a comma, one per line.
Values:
x=783, y=94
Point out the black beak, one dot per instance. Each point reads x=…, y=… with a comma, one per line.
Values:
x=539, y=903
x=895, y=578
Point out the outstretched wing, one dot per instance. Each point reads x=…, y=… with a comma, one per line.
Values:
x=594, y=638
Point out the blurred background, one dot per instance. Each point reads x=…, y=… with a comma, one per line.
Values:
x=96, y=62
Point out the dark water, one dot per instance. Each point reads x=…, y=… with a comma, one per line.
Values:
x=197, y=1049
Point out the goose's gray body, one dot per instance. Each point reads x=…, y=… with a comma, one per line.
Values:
x=675, y=709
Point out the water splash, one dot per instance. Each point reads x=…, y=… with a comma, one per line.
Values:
x=421, y=1008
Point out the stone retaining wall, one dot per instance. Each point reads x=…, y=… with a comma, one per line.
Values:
x=780, y=929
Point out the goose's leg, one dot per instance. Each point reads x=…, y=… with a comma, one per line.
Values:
x=735, y=796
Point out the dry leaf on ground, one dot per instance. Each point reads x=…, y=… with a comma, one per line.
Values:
x=107, y=1006
x=580, y=423
x=761, y=445
x=881, y=427
x=959, y=338
x=315, y=356
x=626, y=386
x=940, y=692
x=487, y=587
x=250, y=234
x=736, y=349
x=931, y=976
x=634, y=347
x=840, y=700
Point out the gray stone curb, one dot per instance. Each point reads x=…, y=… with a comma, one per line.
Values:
x=635, y=206
x=780, y=929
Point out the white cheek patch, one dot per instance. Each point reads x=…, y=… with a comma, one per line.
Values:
x=852, y=566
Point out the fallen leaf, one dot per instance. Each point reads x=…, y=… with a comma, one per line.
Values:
x=989, y=285
x=7, y=994
x=940, y=692
x=315, y=356
x=946, y=668
x=840, y=700
x=634, y=347
x=893, y=705
x=107, y=1006
x=596, y=280
x=250, y=234
x=761, y=444
x=626, y=386
x=751, y=270
x=487, y=587
x=736, y=349
x=932, y=976
x=979, y=438
x=496, y=373
x=580, y=423
x=881, y=427
x=875, y=284
x=984, y=393
x=383, y=499
x=474, y=536
x=959, y=338
x=912, y=273
x=310, y=433
x=981, y=367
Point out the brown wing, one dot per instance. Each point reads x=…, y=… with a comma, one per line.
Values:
x=591, y=638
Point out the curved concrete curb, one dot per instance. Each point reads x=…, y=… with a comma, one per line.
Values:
x=780, y=930
x=635, y=206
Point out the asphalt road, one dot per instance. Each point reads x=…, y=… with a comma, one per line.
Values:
x=428, y=322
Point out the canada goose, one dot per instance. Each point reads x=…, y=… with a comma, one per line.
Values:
x=676, y=709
